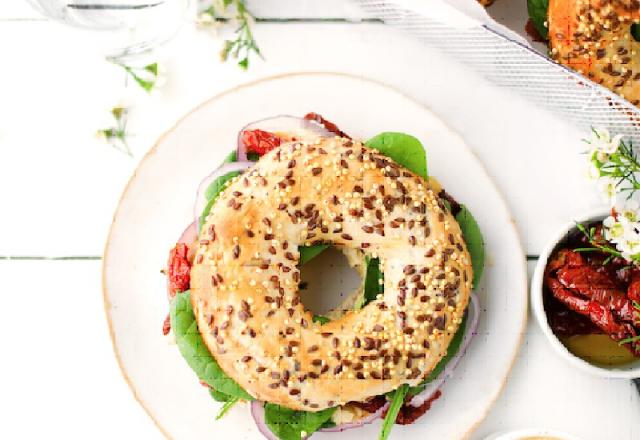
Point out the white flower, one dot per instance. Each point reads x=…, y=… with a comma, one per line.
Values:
x=594, y=171
x=614, y=231
x=607, y=188
x=602, y=142
x=629, y=247
x=628, y=211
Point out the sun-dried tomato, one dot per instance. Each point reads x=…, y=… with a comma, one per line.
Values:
x=328, y=125
x=178, y=270
x=259, y=141
x=166, y=325
x=372, y=405
x=409, y=414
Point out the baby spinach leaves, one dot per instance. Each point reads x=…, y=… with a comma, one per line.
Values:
x=307, y=253
x=196, y=353
x=405, y=149
x=474, y=240
x=289, y=424
x=321, y=319
x=213, y=190
x=373, y=276
x=538, y=15
x=635, y=31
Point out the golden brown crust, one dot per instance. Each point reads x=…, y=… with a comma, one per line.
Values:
x=244, y=281
x=594, y=38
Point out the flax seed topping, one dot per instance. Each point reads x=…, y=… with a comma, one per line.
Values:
x=245, y=286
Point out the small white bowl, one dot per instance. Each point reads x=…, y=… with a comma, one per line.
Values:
x=522, y=434
x=628, y=371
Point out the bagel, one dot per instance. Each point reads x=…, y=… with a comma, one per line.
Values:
x=244, y=279
x=594, y=38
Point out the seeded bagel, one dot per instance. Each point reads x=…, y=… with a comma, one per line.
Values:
x=244, y=281
x=594, y=38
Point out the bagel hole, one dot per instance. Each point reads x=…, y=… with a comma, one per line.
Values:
x=326, y=281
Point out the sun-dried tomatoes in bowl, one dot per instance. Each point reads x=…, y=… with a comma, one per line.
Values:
x=579, y=291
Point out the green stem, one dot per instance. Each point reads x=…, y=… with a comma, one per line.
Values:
x=392, y=413
x=226, y=407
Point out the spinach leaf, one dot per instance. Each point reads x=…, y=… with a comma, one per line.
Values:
x=253, y=157
x=212, y=192
x=218, y=396
x=452, y=350
x=635, y=31
x=328, y=424
x=307, y=253
x=538, y=15
x=216, y=187
x=321, y=319
x=196, y=353
x=373, y=275
x=402, y=148
x=288, y=424
x=397, y=399
x=231, y=157
x=474, y=240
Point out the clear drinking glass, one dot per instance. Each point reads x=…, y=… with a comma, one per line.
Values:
x=122, y=28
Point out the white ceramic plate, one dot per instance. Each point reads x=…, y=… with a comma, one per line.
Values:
x=158, y=203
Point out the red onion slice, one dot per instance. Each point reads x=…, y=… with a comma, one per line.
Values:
x=300, y=128
x=469, y=331
x=189, y=235
x=201, y=200
x=360, y=422
x=257, y=411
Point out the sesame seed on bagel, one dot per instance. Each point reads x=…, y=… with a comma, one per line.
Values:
x=244, y=282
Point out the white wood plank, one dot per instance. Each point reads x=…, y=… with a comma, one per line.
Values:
x=64, y=184
x=268, y=9
x=69, y=379
x=18, y=10
x=59, y=376
x=545, y=392
x=312, y=9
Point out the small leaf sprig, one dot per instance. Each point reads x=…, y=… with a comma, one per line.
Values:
x=244, y=44
x=117, y=134
x=620, y=235
x=148, y=77
x=613, y=164
x=597, y=243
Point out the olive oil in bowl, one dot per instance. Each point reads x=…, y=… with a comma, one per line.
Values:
x=598, y=349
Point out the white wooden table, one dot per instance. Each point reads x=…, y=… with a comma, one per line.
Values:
x=60, y=186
